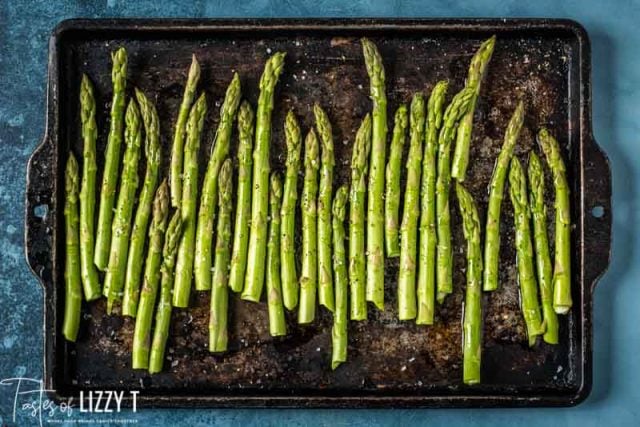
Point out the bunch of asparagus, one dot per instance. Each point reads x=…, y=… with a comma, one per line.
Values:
x=262, y=249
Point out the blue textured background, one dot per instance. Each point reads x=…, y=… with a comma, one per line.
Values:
x=24, y=30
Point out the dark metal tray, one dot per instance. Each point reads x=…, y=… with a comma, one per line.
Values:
x=391, y=363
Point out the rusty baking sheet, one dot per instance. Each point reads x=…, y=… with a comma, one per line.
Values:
x=390, y=363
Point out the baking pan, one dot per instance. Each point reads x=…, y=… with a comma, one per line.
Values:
x=391, y=363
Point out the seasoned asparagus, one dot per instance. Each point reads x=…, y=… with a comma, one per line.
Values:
x=163, y=311
x=277, y=325
x=444, y=263
x=392, y=189
x=177, y=148
x=142, y=331
x=357, y=199
x=472, y=322
x=309, y=273
x=208, y=199
x=541, y=245
x=243, y=198
x=184, y=262
x=375, y=202
x=524, y=249
x=289, y=275
x=340, y=315
x=477, y=70
x=325, y=194
x=111, y=161
x=220, y=279
x=88, y=271
x=428, y=240
x=73, y=288
x=139, y=232
x=562, y=266
x=254, y=277
x=411, y=213
x=121, y=228
x=496, y=190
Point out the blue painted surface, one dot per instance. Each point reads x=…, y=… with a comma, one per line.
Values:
x=613, y=27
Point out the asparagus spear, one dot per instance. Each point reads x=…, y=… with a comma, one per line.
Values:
x=163, y=311
x=277, y=325
x=411, y=213
x=89, y=273
x=184, y=262
x=206, y=213
x=496, y=190
x=562, y=267
x=73, y=288
x=526, y=275
x=375, y=202
x=327, y=163
x=357, y=198
x=428, y=240
x=541, y=245
x=392, y=189
x=177, y=148
x=243, y=198
x=472, y=322
x=444, y=268
x=254, y=277
x=219, y=287
x=142, y=331
x=111, y=161
x=139, y=232
x=477, y=70
x=309, y=274
x=121, y=228
x=289, y=275
x=340, y=315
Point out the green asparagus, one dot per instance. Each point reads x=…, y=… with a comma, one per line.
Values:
x=206, y=213
x=411, y=214
x=254, y=277
x=139, y=232
x=277, y=325
x=142, y=331
x=541, y=245
x=392, y=189
x=184, y=261
x=357, y=199
x=472, y=322
x=496, y=190
x=477, y=70
x=163, y=310
x=73, y=288
x=121, y=228
x=428, y=240
x=524, y=249
x=177, y=148
x=111, y=161
x=444, y=263
x=309, y=274
x=218, y=334
x=340, y=315
x=325, y=194
x=289, y=275
x=243, y=198
x=89, y=273
x=562, y=266
x=375, y=202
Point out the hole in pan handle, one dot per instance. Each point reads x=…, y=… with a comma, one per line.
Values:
x=39, y=210
x=597, y=212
